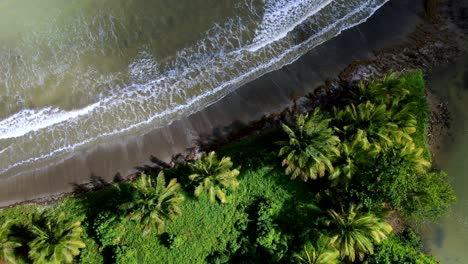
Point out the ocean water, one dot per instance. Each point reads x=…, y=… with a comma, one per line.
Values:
x=74, y=74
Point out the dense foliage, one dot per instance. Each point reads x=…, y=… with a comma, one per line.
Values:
x=55, y=240
x=354, y=233
x=395, y=250
x=156, y=203
x=7, y=243
x=213, y=176
x=365, y=158
x=311, y=147
x=320, y=253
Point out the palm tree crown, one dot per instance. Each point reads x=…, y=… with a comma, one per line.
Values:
x=391, y=89
x=410, y=153
x=213, y=176
x=354, y=233
x=7, y=243
x=321, y=253
x=352, y=155
x=372, y=121
x=393, y=92
x=156, y=202
x=311, y=147
x=56, y=240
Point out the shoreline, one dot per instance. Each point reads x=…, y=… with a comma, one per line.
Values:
x=250, y=109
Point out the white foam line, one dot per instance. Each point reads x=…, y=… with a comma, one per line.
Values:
x=28, y=120
x=236, y=81
x=284, y=33
x=3, y=150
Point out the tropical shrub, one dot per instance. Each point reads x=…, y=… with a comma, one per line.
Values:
x=369, y=123
x=155, y=202
x=400, y=179
x=56, y=240
x=109, y=229
x=8, y=243
x=321, y=253
x=394, y=250
x=354, y=233
x=269, y=237
x=391, y=89
x=433, y=197
x=213, y=176
x=353, y=157
x=408, y=153
x=262, y=239
x=311, y=148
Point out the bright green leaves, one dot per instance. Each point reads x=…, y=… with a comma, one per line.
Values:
x=311, y=147
x=156, y=202
x=354, y=233
x=56, y=240
x=213, y=176
x=8, y=243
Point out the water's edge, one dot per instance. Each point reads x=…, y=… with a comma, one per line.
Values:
x=446, y=238
x=271, y=93
x=152, y=97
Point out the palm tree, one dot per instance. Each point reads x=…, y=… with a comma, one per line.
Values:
x=213, y=176
x=320, y=254
x=391, y=90
x=311, y=147
x=7, y=243
x=373, y=122
x=410, y=153
x=403, y=116
x=388, y=90
x=352, y=155
x=156, y=202
x=353, y=233
x=56, y=240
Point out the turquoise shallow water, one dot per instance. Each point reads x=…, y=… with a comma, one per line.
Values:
x=74, y=74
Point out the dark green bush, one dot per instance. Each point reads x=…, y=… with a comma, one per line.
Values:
x=394, y=250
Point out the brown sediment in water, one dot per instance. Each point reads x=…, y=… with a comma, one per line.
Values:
x=439, y=127
x=397, y=37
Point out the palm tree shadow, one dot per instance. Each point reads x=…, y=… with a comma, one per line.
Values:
x=22, y=231
x=95, y=183
x=181, y=172
x=221, y=136
x=93, y=203
x=156, y=166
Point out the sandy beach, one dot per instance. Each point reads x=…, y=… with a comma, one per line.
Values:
x=393, y=24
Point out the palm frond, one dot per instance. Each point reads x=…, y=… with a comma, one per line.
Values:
x=354, y=233
x=310, y=148
x=156, y=202
x=56, y=240
x=213, y=176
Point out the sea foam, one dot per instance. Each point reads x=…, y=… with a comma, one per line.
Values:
x=199, y=75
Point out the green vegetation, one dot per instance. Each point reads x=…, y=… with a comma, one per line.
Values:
x=364, y=159
x=155, y=204
x=354, y=233
x=55, y=240
x=311, y=147
x=397, y=250
x=213, y=176
x=8, y=244
x=322, y=253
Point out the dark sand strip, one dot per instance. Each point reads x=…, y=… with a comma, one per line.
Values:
x=269, y=94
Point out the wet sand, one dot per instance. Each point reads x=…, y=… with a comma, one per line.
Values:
x=271, y=93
